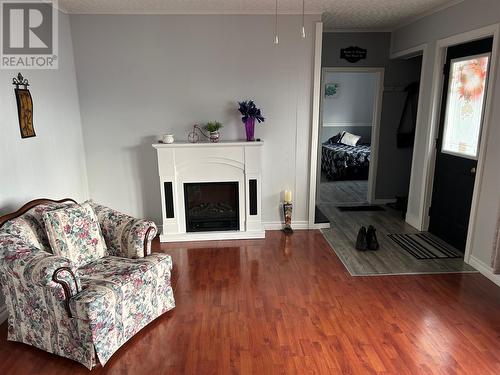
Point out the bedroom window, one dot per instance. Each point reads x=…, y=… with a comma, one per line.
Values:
x=465, y=106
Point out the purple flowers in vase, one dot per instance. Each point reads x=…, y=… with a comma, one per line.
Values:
x=250, y=113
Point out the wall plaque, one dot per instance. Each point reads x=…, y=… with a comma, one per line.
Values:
x=353, y=54
x=24, y=106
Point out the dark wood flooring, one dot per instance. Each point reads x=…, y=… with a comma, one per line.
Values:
x=286, y=305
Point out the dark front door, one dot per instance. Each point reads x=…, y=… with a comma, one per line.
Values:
x=464, y=95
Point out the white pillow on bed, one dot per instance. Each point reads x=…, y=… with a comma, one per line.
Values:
x=350, y=139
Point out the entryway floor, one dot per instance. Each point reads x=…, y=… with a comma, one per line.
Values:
x=390, y=259
x=352, y=192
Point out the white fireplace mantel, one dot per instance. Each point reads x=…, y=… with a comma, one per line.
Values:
x=183, y=162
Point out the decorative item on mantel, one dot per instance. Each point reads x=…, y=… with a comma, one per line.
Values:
x=287, y=211
x=213, y=129
x=167, y=138
x=250, y=113
x=24, y=106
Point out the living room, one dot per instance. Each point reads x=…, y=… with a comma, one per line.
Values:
x=149, y=105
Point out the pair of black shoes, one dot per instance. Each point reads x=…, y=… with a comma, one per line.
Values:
x=367, y=239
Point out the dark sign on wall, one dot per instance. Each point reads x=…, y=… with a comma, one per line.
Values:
x=353, y=54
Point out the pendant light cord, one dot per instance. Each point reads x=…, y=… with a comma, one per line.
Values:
x=303, y=19
x=303, y=12
x=276, y=40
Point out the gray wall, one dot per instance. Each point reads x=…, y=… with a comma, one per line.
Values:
x=140, y=76
x=352, y=109
x=466, y=16
x=353, y=105
x=394, y=165
x=50, y=165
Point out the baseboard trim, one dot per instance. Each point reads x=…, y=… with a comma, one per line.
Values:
x=485, y=270
x=3, y=314
x=278, y=225
x=384, y=201
x=213, y=236
x=320, y=226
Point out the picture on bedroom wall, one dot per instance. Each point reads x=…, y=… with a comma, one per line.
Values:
x=332, y=90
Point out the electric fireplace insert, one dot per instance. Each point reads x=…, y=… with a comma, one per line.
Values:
x=211, y=206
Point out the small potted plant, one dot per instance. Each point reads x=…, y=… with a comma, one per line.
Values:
x=250, y=113
x=213, y=128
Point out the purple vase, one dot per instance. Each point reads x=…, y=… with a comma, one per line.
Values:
x=250, y=128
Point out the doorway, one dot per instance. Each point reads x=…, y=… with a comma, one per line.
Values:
x=348, y=134
x=466, y=73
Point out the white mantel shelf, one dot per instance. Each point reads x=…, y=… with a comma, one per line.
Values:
x=182, y=163
x=208, y=144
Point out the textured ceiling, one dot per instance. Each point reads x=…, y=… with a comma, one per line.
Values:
x=337, y=14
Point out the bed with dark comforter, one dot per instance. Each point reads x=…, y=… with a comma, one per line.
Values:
x=342, y=162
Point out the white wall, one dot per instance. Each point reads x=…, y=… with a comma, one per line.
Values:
x=354, y=104
x=52, y=164
x=469, y=15
x=140, y=76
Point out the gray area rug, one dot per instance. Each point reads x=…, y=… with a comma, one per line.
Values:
x=425, y=246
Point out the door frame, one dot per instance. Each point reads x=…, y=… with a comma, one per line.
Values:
x=436, y=104
x=316, y=97
x=420, y=50
x=376, y=116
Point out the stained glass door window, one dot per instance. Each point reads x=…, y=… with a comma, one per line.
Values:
x=465, y=105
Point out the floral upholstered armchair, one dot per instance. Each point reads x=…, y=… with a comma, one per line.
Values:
x=80, y=280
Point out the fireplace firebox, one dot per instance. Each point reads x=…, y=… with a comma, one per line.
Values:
x=211, y=206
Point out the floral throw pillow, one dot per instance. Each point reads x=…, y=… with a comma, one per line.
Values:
x=74, y=233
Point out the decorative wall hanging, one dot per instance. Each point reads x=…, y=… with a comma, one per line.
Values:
x=332, y=90
x=24, y=106
x=353, y=54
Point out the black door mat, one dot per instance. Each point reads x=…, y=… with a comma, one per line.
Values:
x=425, y=246
x=360, y=208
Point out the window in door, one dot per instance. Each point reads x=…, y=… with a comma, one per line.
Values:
x=465, y=104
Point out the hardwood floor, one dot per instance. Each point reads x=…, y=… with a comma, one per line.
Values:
x=286, y=305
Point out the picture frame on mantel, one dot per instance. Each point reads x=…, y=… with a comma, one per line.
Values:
x=24, y=106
